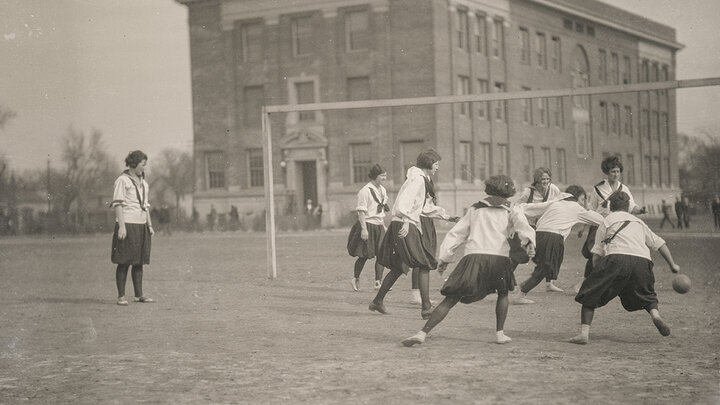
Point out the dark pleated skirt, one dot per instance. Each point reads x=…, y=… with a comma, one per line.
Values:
x=548, y=255
x=402, y=254
x=366, y=249
x=629, y=277
x=429, y=236
x=477, y=275
x=135, y=248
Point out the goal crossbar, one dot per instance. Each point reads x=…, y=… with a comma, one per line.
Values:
x=415, y=101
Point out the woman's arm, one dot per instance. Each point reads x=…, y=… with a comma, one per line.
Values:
x=122, y=232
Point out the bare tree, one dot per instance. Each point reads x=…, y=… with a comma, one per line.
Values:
x=173, y=170
x=89, y=172
x=700, y=164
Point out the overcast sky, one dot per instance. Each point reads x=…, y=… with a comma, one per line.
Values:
x=122, y=66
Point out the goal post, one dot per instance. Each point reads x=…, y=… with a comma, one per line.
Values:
x=416, y=101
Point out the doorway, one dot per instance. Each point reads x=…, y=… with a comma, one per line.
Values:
x=308, y=172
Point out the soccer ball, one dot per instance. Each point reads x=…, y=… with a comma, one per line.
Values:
x=681, y=283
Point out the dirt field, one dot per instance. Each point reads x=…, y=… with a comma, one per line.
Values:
x=221, y=332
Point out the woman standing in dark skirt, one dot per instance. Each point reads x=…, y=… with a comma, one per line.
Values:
x=368, y=232
x=622, y=267
x=133, y=227
x=485, y=267
x=430, y=212
x=403, y=248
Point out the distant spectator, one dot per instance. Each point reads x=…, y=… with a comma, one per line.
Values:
x=716, y=211
x=679, y=212
x=211, y=217
x=164, y=220
x=666, y=214
x=686, y=212
x=194, y=218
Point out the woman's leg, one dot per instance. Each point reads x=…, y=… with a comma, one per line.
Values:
x=586, y=318
x=415, y=278
x=137, y=276
x=501, y=311
x=379, y=269
x=121, y=278
x=424, y=285
x=435, y=318
x=359, y=264
x=388, y=282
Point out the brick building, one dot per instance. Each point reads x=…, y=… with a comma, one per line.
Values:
x=247, y=53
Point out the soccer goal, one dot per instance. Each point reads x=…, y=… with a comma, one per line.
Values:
x=576, y=96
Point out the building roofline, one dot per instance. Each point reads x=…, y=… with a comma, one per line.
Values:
x=590, y=15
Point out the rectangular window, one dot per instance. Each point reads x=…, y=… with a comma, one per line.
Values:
x=626, y=73
x=579, y=27
x=360, y=162
x=656, y=123
x=529, y=163
x=561, y=170
x=647, y=170
x=630, y=170
x=542, y=119
x=665, y=123
x=497, y=39
x=499, y=104
x=657, y=173
x=215, y=165
x=567, y=24
x=615, y=119
x=558, y=113
x=482, y=106
x=466, y=174
x=483, y=157
x=250, y=42
x=541, y=49
x=502, y=159
x=602, y=66
x=644, y=71
x=668, y=171
x=305, y=95
x=645, y=123
x=525, y=106
x=462, y=29
x=357, y=32
x=603, y=117
x=556, y=63
x=253, y=100
x=591, y=31
x=409, y=151
x=524, y=46
x=547, y=160
x=627, y=128
x=255, y=167
x=655, y=72
x=614, y=68
x=480, y=33
x=463, y=88
x=302, y=31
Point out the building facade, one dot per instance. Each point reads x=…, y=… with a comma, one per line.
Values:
x=249, y=53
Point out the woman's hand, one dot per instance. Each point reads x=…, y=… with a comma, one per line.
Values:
x=675, y=268
x=403, y=232
x=364, y=234
x=122, y=232
x=453, y=219
x=152, y=231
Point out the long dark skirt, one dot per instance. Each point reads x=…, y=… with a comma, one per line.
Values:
x=135, y=248
x=402, y=254
x=429, y=236
x=629, y=277
x=477, y=275
x=548, y=255
x=366, y=249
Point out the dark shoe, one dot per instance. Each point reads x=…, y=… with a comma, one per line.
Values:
x=378, y=308
x=661, y=326
x=425, y=313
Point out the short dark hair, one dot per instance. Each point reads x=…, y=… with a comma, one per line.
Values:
x=500, y=185
x=576, y=191
x=537, y=174
x=375, y=171
x=610, y=163
x=134, y=158
x=427, y=158
x=619, y=201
